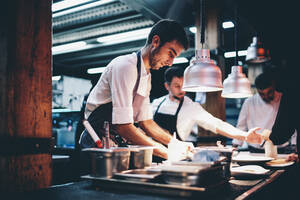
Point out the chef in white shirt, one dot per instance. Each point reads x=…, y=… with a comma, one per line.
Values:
x=261, y=110
x=177, y=113
x=121, y=95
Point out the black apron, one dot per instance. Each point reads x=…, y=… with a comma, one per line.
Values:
x=166, y=121
x=104, y=113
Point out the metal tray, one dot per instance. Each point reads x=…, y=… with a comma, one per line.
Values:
x=154, y=188
x=143, y=175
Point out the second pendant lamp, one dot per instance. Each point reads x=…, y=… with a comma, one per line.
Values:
x=236, y=85
x=202, y=75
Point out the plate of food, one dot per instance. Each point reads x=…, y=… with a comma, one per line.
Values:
x=281, y=162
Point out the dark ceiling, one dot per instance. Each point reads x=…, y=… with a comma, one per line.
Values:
x=267, y=18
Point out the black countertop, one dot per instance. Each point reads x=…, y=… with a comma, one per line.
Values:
x=276, y=186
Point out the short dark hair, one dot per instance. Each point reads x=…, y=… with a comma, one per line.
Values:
x=172, y=72
x=264, y=80
x=169, y=30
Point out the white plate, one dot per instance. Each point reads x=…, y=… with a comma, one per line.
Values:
x=247, y=158
x=286, y=164
x=249, y=170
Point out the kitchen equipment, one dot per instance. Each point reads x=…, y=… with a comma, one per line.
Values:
x=141, y=156
x=92, y=133
x=143, y=175
x=224, y=155
x=106, y=162
x=195, y=175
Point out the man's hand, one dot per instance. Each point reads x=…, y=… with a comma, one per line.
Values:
x=254, y=137
x=293, y=157
x=178, y=150
x=266, y=134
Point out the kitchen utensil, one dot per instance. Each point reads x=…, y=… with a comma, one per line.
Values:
x=92, y=133
x=106, y=162
x=141, y=156
x=143, y=175
x=192, y=175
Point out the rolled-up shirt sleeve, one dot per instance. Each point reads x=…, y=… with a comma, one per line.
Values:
x=124, y=76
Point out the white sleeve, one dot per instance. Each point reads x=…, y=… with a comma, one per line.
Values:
x=242, y=122
x=124, y=76
x=203, y=118
x=209, y=122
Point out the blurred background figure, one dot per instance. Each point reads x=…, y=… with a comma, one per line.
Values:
x=261, y=109
x=178, y=114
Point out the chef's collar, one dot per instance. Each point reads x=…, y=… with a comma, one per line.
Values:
x=143, y=67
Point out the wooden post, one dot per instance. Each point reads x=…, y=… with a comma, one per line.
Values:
x=25, y=95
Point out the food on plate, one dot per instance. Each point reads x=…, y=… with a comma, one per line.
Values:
x=277, y=161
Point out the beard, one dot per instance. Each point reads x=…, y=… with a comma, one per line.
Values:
x=153, y=61
x=179, y=96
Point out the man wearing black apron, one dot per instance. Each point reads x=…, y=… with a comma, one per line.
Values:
x=121, y=96
x=177, y=113
x=168, y=121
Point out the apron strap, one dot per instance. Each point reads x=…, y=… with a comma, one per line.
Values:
x=138, y=65
x=159, y=105
x=179, y=107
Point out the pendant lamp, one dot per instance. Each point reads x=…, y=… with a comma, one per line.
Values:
x=236, y=85
x=202, y=75
x=256, y=53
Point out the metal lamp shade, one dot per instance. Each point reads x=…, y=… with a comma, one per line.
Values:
x=236, y=85
x=256, y=53
x=202, y=75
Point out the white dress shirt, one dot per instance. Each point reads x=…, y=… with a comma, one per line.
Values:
x=255, y=112
x=191, y=113
x=116, y=85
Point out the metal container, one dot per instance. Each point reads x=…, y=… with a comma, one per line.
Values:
x=180, y=175
x=192, y=175
x=225, y=157
x=141, y=156
x=106, y=162
x=141, y=175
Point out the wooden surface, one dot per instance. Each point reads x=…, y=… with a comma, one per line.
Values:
x=26, y=90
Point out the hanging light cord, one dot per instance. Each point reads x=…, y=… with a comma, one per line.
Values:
x=202, y=23
x=235, y=35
